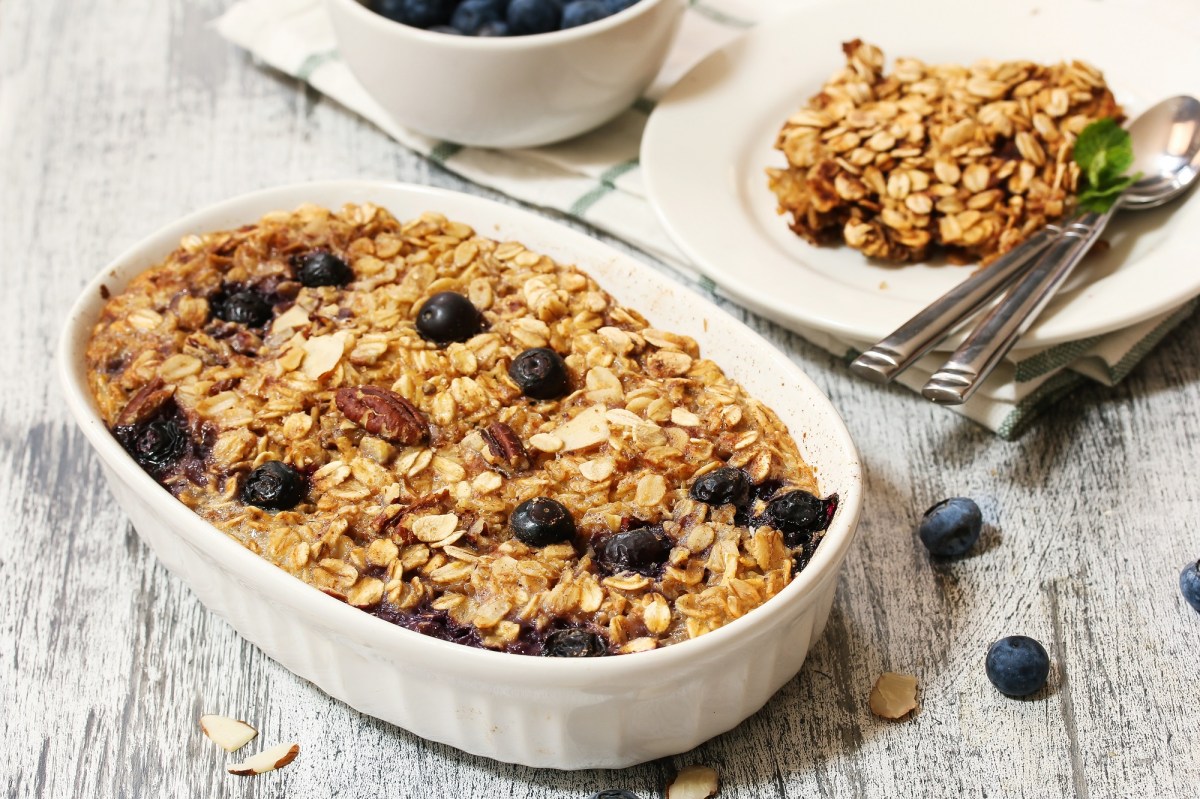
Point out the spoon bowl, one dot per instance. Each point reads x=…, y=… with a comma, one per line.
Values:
x=1166, y=150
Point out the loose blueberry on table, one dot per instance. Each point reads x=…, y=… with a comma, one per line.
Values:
x=447, y=317
x=1017, y=665
x=951, y=527
x=1189, y=584
x=496, y=17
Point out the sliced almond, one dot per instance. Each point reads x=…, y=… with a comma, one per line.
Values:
x=289, y=320
x=586, y=430
x=694, y=782
x=229, y=734
x=894, y=695
x=434, y=528
x=322, y=353
x=267, y=760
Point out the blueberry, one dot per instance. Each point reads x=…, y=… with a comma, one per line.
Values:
x=1017, y=665
x=799, y=514
x=724, y=486
x=418, y=13
x=320, y=268
x=541, y=373
x=471, y=15
x=581, y=12
x=497, y=28
x=448, y=316
x=541, y=521
x=1189, y=584
x=616, y=6
x=533, y=16
x=951, y=527
x=643, y=550
x=241, y=306
x=274, y=486
x=574, y=643
x=156, y=445
x=614, y=793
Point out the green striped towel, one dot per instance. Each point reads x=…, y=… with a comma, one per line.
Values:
x=596, y=178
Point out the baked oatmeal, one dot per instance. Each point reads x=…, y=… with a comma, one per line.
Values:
x=458, y=435
x=968, y=160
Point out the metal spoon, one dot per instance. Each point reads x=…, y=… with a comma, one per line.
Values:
x=892, y=355
x=1166, y=146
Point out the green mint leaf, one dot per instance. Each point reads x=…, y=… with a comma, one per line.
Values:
x=1104, y=152
x=1100, y=200
x=1096, y=140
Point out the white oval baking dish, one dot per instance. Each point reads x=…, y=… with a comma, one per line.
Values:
x=547, y=712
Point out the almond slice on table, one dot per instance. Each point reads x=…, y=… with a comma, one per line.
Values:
x=229, y=734
x=267, y=760
x=694, y=782
x=894, y=695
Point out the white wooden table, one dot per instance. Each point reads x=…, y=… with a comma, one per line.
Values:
x=118, y=117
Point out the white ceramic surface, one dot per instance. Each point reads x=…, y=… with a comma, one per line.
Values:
x=603, y=712
x=517, y=91
x=708, y=142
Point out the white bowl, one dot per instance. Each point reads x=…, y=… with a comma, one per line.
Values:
x=601, y=712
x=517, y=91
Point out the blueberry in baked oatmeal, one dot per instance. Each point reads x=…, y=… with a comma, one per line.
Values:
x=799, y=514
x=541, y=373
x=531, y=467
x=643, y=550
x=447, y=316
x=274, y=486
x=724, y=486
x=574, y=644
x=322, y=268
x=241, y=306
x=541, y=521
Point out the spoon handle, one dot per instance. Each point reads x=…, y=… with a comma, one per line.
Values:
x=991, y=340
x=892, y=355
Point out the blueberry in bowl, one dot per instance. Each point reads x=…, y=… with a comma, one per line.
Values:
x=504, y=73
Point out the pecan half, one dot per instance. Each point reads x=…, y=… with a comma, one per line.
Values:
x=506, y=445
x=383, y=413
x=145, y=403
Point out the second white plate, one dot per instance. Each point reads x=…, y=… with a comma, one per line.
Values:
x=708, y=142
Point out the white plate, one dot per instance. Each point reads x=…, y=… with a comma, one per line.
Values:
x=708, y=142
